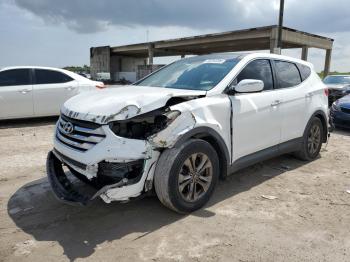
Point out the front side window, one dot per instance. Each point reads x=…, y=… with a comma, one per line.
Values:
x=15, y=77
x=195, y=73
x=287, y=73
x=259, y=70
x=43, y=76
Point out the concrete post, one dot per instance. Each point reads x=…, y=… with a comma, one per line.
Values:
x=327, y=64
x=273, y=45
x=304, y=53
x=150, y=54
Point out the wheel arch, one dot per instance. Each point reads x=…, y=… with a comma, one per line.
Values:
x=322, y=116
x=215, y=140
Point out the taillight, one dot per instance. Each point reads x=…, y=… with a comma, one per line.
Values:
x=100, y=86
x=326, y=91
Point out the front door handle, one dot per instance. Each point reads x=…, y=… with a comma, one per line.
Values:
x=69, y=88
x=24, y=91
x=276, y=103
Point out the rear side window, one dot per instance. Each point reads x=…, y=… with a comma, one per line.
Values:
x=15, y=77
x=287, y=74
x=305, y=71
x=259, y=70
x=43, y=76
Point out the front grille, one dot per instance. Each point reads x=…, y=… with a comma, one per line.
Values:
x=83, y=136
x=345, y=110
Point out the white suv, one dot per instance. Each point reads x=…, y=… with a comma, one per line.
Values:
x=181, y=128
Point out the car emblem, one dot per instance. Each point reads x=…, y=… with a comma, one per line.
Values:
x=68, y=128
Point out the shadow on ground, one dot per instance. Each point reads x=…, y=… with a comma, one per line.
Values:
x=342, y=131
x=80, y=229
x=27, y=122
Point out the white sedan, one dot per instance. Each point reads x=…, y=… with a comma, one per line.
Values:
x=39, y=91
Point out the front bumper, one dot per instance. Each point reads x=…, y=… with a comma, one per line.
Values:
x=109, y=158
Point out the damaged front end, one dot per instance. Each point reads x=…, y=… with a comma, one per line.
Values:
x=109, y=176
x=116, y=160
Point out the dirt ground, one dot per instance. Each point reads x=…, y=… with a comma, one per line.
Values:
x=308, y=221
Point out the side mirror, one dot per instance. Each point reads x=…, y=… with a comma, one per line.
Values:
x=249, y=86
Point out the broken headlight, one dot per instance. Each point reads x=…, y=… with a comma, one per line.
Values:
x=145, y=125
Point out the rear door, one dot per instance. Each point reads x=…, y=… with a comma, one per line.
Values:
x=256, y=117
x=16, y=96
x=293, y=107
x=51, y=89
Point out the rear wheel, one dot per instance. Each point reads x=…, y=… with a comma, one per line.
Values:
x=312, y=140
x=185, y=177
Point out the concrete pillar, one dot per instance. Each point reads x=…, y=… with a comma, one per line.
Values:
x=304, y=53
x=150, y=54
x=273, y=47
x=327, y=64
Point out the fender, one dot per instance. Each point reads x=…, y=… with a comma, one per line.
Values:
x=211, y=136
x=323, y=117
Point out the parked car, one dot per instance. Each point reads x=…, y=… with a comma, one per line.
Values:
x=340, y=112
x=338, y=86
x=39, y=91
x=181, y=128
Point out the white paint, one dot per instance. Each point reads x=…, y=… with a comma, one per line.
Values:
x=36, y=100
x=259, y=120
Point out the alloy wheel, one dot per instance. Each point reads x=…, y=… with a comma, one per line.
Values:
x=195, y=177
x=314, y=139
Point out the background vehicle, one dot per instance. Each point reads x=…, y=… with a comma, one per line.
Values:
x=181, y=128
x=338, y=86
x=39, y=91
x=340, y=112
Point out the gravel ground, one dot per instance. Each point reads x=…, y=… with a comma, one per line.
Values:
x=308, y=219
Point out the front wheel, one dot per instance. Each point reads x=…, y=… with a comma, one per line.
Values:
x=312, y=140
x=185, y=177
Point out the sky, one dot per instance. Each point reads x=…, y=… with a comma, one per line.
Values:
x=60, y=33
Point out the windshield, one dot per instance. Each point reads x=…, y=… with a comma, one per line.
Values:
x=195, y=73
x=337, y=80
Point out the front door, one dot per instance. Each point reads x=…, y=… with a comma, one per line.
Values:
x=16, y=96
x=256, y=117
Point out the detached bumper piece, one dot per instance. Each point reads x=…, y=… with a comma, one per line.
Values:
x=110, y=175
x=60, y=184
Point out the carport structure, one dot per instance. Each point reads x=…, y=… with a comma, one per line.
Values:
x=260, y=38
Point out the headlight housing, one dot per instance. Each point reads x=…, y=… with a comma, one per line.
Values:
x=145, y=125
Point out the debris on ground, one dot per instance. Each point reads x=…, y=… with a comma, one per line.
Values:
x=269, y=197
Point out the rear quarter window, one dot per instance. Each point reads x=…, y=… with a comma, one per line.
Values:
x=287, y=74
x=305, y=71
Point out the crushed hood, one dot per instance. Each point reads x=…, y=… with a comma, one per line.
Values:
x=112, y=104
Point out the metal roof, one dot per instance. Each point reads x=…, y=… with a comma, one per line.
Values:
x=258, y=38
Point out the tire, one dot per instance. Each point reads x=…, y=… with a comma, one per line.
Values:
x=307, y=152
x=184, y=192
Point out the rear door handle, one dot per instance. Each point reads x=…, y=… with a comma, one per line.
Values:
x=276, y=103
x=24, y=91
